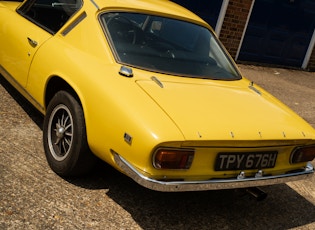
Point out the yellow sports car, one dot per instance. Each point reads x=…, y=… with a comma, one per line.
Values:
x=146, y=86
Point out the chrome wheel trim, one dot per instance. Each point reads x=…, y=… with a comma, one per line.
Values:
x=60, y=132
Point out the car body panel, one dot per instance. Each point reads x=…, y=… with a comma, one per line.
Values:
x=160, y=7
x=128, y=118
x=23, y=53
x=220, y=116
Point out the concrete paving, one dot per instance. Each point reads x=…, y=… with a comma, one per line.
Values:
x=33, y=197
x=295, y=88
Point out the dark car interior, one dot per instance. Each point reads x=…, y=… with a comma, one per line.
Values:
x=51, y=15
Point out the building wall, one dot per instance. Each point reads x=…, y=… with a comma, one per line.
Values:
x=233, y=18
x=234, y=26
x=311, y=64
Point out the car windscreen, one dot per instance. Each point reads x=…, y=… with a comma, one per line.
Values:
x=167, y=45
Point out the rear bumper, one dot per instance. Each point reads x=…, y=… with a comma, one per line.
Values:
x=217, y=184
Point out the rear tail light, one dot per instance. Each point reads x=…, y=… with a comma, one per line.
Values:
x=167, y=158
x=303, y=154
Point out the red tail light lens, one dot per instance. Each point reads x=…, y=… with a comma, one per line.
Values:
x=303, y=154
x=173, y=158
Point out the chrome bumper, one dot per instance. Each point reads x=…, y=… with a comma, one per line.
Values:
x=216, y=184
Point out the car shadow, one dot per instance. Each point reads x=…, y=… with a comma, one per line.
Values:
x=283, y=208
x=31, y=111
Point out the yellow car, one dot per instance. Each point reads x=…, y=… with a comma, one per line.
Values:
x=146, y=86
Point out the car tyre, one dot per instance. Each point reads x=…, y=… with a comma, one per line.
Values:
x=64, y=137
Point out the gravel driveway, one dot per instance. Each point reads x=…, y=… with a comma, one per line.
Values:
x=33, y=197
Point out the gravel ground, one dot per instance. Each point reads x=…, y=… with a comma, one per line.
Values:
x=33, y=197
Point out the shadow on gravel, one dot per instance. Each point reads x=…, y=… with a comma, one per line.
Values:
x=97, y=179
x=225, y=209
x=31, y=111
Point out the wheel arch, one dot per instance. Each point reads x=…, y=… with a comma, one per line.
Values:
x=55, y=84
x=64, y=136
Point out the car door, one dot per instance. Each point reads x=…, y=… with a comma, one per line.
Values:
x=20, y=38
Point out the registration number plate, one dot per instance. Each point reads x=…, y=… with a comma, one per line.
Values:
x=245, y=160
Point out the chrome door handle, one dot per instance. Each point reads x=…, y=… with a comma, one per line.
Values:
x=32, y=42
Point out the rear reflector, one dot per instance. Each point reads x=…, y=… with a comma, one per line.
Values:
x=167, y=158
x=303, y=154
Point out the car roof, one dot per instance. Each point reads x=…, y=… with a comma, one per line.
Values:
x=160, y=7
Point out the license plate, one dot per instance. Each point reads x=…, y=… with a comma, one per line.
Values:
x=245, y=160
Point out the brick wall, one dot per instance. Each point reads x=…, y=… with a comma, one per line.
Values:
x=234, y=24
x=311, y=64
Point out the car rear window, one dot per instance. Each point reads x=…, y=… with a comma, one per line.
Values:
x=167, y=45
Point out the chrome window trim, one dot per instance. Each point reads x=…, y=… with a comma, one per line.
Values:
x=73, y=24
x=95, y=4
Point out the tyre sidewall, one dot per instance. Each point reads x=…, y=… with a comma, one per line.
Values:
x=69, y=165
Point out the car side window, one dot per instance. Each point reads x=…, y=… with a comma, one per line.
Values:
x=50, y=14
